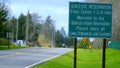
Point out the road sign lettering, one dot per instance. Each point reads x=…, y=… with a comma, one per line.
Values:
x=90, y=20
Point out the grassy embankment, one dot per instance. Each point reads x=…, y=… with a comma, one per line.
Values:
x=85, y=59
x=11, y=47
x=4, y=44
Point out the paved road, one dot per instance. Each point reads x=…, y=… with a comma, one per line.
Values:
x=25, y=58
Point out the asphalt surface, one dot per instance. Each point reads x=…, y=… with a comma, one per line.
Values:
x=28, y=57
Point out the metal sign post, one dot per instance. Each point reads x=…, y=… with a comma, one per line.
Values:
x=8, y=36
x=104, y=53
x=75, y=53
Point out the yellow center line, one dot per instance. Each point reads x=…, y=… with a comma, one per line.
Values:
x=7, y=55
x=19, y=53
x=34, y=51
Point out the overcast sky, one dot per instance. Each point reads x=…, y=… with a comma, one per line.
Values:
x=57, y=9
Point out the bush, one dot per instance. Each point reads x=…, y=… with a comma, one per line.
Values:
x=4, y=41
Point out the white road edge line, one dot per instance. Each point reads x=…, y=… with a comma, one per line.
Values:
x=30, y=66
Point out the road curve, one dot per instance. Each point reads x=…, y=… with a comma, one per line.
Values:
x=28, y=57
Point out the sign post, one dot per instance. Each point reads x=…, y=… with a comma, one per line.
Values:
x=104, y=53
x=93, y=20
x=8, y=36
x=75, y=53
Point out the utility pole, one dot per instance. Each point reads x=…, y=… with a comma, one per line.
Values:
x=54, y=37
x=52, y=42
x=27, y=27
x=12, y=34
x=17, y=32
x=34, y=25
x=12, y=26
x=33, y=29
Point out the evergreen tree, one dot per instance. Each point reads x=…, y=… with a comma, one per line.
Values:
x=21, y=26
x=59, y=39
x=3, y=20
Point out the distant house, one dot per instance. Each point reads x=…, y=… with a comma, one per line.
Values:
x=21, y=43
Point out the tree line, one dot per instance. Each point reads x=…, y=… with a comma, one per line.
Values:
x=36, y=26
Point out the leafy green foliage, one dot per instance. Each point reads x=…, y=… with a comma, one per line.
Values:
x=33, y=27
x=3, y=14
x=3, y=41
x=58, y=39
x=69, y=41
x=61, y=38
x=3, y=20
x=36, y=26
x=85, y=43
x=3, y=47
x=21, y=26
x=13, y=24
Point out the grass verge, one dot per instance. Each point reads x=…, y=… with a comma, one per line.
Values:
x=12, y=47
x=85, y=59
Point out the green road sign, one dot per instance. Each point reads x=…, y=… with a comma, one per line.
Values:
x=90, y=20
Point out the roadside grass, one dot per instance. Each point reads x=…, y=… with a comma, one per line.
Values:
x=11, y=47
x=85, y=59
